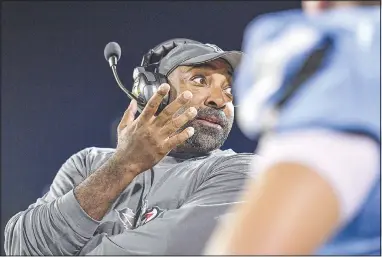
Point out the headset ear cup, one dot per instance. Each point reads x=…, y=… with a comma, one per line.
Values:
x=166, y=100
x=151, y=88
x=139, y=82
x=146, y=84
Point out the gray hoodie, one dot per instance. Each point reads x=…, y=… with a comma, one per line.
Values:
x=169, y=210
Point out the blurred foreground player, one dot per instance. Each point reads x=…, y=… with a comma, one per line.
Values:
x=313, y=83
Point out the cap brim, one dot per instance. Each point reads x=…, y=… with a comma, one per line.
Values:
x=232, y=57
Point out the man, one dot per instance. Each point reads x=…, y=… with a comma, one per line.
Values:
x=163, y=188
x=314, y=80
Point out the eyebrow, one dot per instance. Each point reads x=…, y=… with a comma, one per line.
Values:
x=207, y=65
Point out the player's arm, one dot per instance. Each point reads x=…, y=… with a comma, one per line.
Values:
x=312, y=182
x=183, y=231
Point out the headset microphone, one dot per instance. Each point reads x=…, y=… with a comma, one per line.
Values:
x=112, y=53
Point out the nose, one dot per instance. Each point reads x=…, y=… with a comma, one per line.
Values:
x=217, y=99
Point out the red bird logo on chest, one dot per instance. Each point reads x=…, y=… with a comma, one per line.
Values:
x=151, y=214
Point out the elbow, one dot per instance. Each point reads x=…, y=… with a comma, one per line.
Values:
x=12, y=237
x=42, y=230
x=21, y=235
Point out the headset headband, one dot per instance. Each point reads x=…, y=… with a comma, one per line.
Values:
x=155, y=55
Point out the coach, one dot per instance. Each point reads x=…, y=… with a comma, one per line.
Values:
x=167, y=183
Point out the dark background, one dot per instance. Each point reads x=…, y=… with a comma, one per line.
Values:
x=58, y=94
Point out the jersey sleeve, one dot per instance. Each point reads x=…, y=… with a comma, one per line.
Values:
x=306, y=74
x=349, y=154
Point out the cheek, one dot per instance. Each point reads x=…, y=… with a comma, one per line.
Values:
x=198, y=94
x=229, y=111
x=173, y=93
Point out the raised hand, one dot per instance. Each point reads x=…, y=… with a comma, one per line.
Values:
x=144, y=141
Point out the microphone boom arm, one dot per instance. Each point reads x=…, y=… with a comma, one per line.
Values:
x=119, y=82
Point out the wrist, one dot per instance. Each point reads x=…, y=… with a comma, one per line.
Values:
x=128, y=167
x=130, y=171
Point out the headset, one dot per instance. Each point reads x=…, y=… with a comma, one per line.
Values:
x=146, y=78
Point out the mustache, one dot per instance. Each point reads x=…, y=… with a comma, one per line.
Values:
x=208, y=112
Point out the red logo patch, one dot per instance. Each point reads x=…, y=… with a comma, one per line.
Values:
x=151, y=214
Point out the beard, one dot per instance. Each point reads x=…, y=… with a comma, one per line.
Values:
x=205, y=138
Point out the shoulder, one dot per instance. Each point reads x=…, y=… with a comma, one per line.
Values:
x=300, y=74
x=272, y=20
x=230, y=155
x=236, y=158
x=96, y=152
x=222, y=175
x=267, y=26
x=90, y=159
x=231, y=163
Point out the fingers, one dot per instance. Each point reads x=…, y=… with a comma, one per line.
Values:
x=154, y=102
x=128, y=116
x=178, y=139
x=134, y=106
x=172, y=108
x=175, y=124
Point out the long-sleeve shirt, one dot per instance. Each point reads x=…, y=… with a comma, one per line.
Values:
x=170, y=210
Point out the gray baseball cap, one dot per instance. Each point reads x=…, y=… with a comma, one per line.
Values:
x=193, y=54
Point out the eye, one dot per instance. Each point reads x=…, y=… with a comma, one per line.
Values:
x=199, y=80
x=228, y=90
